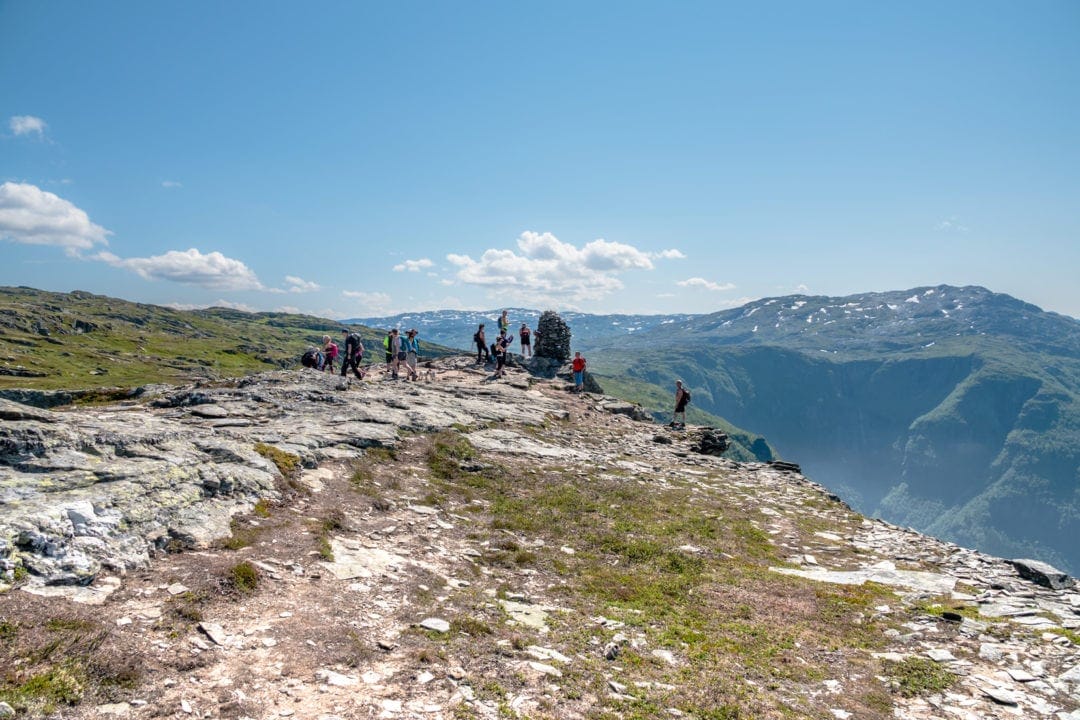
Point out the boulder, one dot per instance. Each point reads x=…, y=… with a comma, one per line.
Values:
x=1043, y=574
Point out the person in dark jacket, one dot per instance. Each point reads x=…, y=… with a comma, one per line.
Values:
x=482, y=353
x=354, y=353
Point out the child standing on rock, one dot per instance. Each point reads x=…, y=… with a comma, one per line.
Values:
x=579, y=372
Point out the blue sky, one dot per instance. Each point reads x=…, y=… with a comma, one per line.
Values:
x=352, y=159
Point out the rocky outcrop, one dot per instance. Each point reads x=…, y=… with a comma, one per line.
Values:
x=106, y=487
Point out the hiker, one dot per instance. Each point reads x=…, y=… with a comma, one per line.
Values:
x=397, y=354
x=386, y=343
x=579, y=372
x=353, y=354
x=312, y=358
x=499, y=349
x=412, y=351
x=482, y=354
x=526, y=347
x=682, y=399
x=330, y=351
x=504, y=323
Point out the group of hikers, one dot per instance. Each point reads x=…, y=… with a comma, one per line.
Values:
x=499, y=349
x=402, y=355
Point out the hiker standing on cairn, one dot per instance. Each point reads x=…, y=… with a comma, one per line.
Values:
x=482, y=354
x=682, y=399
x=354, y=353
x=579, y=372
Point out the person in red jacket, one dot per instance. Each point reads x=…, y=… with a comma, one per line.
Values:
x=579, y=372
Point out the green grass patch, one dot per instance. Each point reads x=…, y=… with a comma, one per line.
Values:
x=920, y=676
x=448, y=450
x=287, y=463
x=243, y=578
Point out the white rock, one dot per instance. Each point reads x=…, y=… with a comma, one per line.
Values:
x=436, y=624
x=337, y=679
x=215, y=632
x=545, y=669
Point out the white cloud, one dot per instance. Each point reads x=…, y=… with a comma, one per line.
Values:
x=171, y=184
x=34, y=216
x=413, y=265
x=951, y=225
x=707, y=284
x=666, y=295
x=544, y=269
x=242, y=307
x=371, y=303
x=299, y=285
x=671, y=254
x=802, y=288
x=288, y=309
x=212, y=270
x=27, y=125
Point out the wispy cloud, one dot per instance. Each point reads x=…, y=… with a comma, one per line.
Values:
x=33, y=216
x=27, y=125
x=951, y=225
x=288, y=309
x=229, y=304
x=545, y=269
x=299, y=285
x=190, y=267
x=171, y=184
x=671, y=254
x=413, y=265
x=369, y=303
x=703, y=283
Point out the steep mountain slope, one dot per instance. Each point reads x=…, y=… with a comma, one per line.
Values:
x=953, y=410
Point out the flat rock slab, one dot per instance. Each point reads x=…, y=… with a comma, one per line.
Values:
x=883, y=573
x=506, y=441
x=353, y=561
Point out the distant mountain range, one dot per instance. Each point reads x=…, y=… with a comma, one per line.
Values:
x=954, y=410
x=455, y=328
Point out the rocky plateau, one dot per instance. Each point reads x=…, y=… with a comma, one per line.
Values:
x=393, y=586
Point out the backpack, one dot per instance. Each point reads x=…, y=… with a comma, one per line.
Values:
x=686, y=396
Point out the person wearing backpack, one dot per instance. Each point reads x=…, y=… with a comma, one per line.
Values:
x=386, y=343
x=312, y=358
x=411, y=346
x=482, y=354
x=682, y=399
x=354, y=353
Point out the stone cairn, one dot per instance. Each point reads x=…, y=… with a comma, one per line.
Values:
x=554, y=342
x=711, y=442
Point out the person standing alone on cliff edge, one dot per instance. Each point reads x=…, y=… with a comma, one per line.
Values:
x=682, y=399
